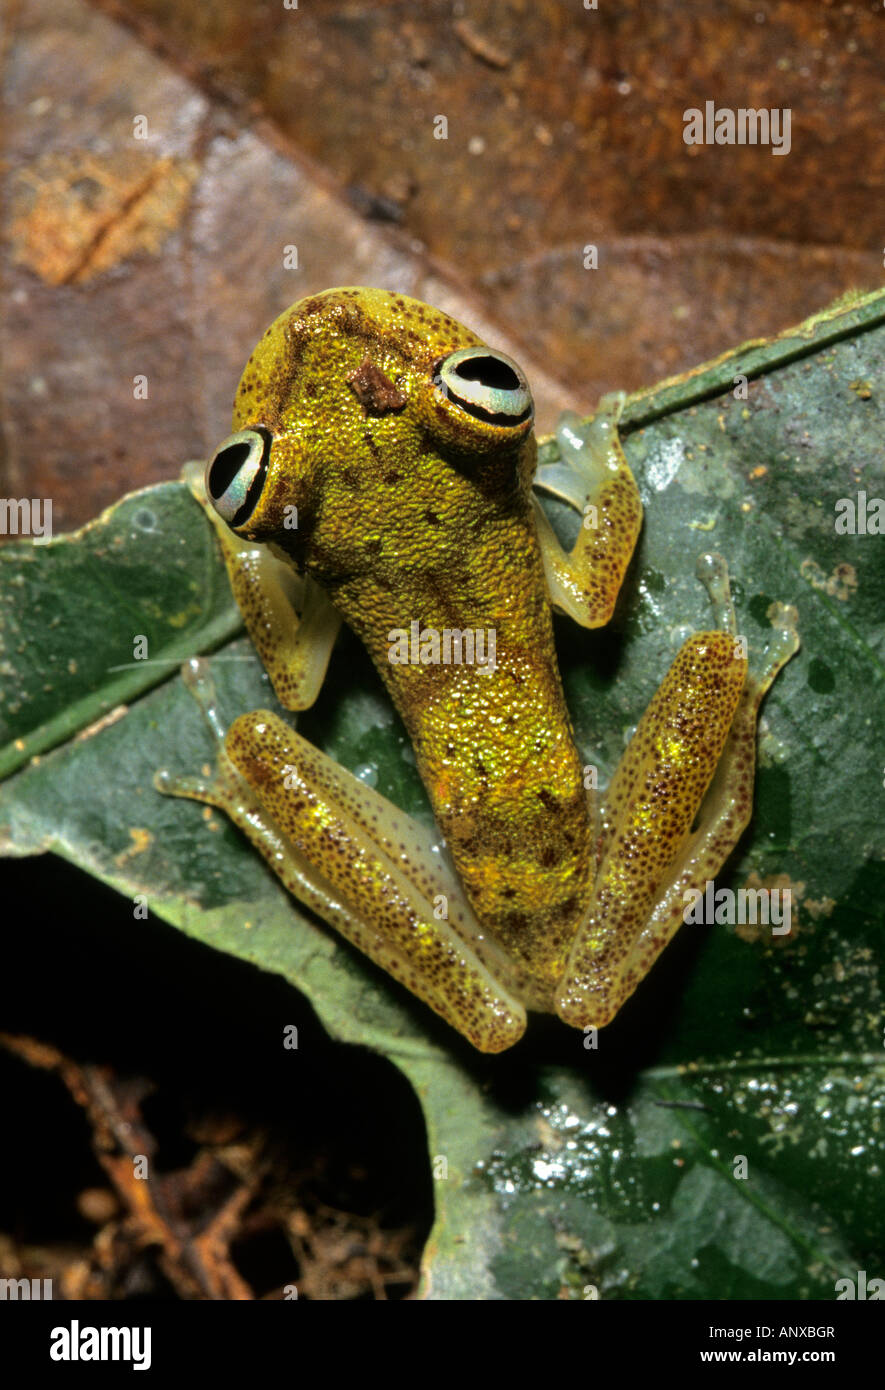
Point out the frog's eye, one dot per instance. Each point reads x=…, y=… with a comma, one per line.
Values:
x=487, y=384
x=235, y=474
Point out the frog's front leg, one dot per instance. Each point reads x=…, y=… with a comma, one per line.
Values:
x=679, y=801
x=595, y=479
x=360, y=863
x=290, y=620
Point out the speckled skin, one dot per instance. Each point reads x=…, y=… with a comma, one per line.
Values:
x=425, y=514
x=649, y=808
x=411, y=510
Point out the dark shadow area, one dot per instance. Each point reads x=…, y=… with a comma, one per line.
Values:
x=205, y=1034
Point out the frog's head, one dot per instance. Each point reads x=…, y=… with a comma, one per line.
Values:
x=361, y=413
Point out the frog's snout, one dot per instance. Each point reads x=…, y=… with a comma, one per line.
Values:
x=487, y=384
x=236, y=472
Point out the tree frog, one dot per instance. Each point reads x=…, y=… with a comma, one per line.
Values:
x=382, y=472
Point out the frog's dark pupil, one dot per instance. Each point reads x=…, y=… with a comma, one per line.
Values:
x=225, y=467
x=490, y=371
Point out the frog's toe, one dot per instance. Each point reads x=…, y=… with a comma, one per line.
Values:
x=198, y=682
x=196, y=788
x=783, y=642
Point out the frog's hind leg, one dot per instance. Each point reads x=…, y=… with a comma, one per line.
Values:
x=290, y=620
x=678, y=804
x=595, y=479
x=360, y=863
x=726, y=808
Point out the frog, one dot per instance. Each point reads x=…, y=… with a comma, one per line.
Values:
x=382, y=472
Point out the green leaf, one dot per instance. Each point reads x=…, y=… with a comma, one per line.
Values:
x=561, y=1168
x=72, y=608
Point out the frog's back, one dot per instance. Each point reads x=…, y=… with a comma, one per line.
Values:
x=497, y=755
x=465, y=646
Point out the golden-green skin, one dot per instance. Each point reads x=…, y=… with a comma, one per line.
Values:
x=417, y=511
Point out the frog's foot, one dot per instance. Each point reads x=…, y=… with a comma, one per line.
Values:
x=783, y=643
x=198, y=681
x=678, y=804
x=588, y=449
x=595, y=479
x=361, y=864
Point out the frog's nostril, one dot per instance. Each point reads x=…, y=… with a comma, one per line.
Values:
x=489, y=385
x=236, y=472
